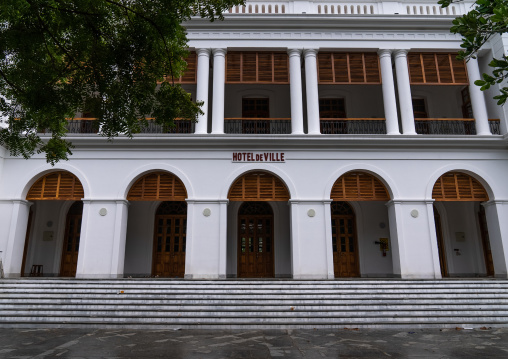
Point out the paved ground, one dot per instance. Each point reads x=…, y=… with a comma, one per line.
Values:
x=344, y=343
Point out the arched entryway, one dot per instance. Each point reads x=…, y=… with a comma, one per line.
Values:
x=169, y=244
x=465, y=230
x=157, y=227
x=261, y=241
x=368, y=194
x=54, y=225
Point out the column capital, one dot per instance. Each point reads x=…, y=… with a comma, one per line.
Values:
x=385, y=52
x=310, y=52
x=400, y=53
x=203, y=52
x=493, y=202
x=219, y=52
x=294, y=52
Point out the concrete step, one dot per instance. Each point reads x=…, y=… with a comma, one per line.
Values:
x=251, y=304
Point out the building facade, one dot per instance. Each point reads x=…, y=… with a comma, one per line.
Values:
x=339, y=139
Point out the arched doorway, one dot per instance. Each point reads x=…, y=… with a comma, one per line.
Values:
x=170, y=239
x=370, y=194
x=461, y=195
x=70, y=249
x=344, y=241
x=255, y=240
x=157, y=215
x=257, y=246
x=51, y=194
x=440, y=243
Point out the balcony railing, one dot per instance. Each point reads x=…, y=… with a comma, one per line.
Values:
x=257, y=126
x=181, y=126
x=353, y=126
x=351, y=7
x=451, y=126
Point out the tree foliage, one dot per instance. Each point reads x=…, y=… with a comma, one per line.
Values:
x=114, y=58
x=486, y=19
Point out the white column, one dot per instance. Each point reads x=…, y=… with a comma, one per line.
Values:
x=405, y=101
x=477, y=99
x=13, y=233
x=295, y=87
x=202, y=88
x=206, y=239
x=311, y=86
x=102, y=245
x=389, y=101
x=219, y=78
x=496, y=213
x=413, y=240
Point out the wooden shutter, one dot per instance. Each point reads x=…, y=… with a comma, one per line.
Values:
x=189, y=77
x=348, y=68
x=457, y=186
x=57, y=186
x=158, y=186
x=258, y=186
x=439, y=68
x=257, y=67
x=359, y=186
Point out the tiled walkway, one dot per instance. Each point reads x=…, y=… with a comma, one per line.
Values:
x=344, y=343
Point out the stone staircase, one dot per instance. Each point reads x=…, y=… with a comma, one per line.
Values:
x=251, y=304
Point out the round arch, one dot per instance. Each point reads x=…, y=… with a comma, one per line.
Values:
x=157, y=186
x=474, y=172
x=258, y=186
x=134, y=176
x=269, y=169
x=374, y=171
x=38, y=173
x=56, y=186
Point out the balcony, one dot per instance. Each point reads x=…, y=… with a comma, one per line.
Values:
x=353, y=126
x=451, y=126
x=257, y=126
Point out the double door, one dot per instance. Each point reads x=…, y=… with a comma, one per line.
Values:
x=255, y=246
x=169, y=246
x=345, y=249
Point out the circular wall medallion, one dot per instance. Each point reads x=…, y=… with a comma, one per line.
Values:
x=414, y=213
x=103, y=211
x=207, y=212
x=311, y=213
x=382, y=225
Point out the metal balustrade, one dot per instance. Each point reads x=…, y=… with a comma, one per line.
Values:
x=181, y=127
x=351, y=7
x=256, y=126
x=353, y=126
x=453, y=126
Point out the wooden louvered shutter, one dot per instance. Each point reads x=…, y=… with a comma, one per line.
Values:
x=258, y=186
x=190, y=74
x=56, y=186
x=158, y=186
x=430, y=68
x=348, y=68
x=257, y=67
x=359, y=186
x=457, y=186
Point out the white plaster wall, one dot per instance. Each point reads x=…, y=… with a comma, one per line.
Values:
x=139, y=244
x=355, y=97
x=279, y=100
x=372, y=224
x=282, y=240
x=462, y=217
x=442, y=101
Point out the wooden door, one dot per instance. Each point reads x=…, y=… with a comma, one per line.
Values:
x=344, y=242
x=170, y=240
x=440, y=244
x=487, y=252
x=70, y=248
x=27, y=240
x=255, y=240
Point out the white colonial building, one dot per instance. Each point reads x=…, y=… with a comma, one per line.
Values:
x=339, y=139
